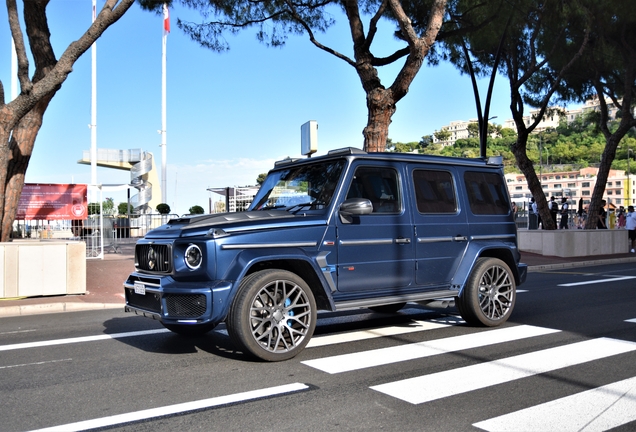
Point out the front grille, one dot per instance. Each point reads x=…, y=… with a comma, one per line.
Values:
x=153, y=258
x=149, y=302
x=185, y=305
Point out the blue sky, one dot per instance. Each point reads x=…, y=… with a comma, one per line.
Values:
x=229, y=115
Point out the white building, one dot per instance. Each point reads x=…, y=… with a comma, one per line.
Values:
x=620, y=190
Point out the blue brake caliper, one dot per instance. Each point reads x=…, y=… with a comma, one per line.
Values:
x=290, y=313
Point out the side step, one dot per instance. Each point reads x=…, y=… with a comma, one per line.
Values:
x=379, y=301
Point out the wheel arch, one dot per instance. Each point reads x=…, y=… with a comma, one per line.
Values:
x=477, y=251
x=298, y=264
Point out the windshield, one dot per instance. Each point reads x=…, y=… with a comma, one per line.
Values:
x=309, y=186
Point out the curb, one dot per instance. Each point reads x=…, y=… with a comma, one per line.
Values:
x=575, y=264
x=48, y=308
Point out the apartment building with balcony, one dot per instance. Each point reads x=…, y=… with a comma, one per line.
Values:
x=620, y=190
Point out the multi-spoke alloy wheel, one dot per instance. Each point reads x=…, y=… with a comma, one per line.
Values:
x=489, y=295
x=273, y=316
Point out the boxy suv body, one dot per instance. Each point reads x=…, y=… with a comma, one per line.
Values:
x=346, y=230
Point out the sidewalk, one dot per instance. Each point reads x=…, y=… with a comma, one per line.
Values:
x=104, y=279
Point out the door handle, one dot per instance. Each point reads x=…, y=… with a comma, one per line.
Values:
x=460, y=238
x=403, y=240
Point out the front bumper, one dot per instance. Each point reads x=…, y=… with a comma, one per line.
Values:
x=172, y=302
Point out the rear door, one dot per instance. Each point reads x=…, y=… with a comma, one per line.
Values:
x=375, y=251
x=441, y=228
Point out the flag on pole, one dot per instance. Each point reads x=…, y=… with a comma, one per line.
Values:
x=166, y=19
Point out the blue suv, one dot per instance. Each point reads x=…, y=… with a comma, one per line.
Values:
x=346, y=230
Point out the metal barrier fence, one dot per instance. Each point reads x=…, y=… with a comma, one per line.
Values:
x=101, y=235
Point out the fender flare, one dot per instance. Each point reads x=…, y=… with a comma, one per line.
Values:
x=478, y=249
x=321, y=283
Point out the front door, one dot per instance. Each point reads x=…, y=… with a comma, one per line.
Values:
x=375, y=251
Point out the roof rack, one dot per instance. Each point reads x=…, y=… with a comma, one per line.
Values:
x=346, y=150
x=287, y=161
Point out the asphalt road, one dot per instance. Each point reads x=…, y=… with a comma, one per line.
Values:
x=565, y=361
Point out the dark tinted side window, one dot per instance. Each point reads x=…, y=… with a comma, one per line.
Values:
x=486, y=193
x=434, y=191
x=379, y=185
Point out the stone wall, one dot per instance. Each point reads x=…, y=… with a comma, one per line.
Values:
x=572, y=243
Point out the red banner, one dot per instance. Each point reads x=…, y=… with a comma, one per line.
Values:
x=53, y=202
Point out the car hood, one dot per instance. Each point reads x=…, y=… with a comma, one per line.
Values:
x=234, y=222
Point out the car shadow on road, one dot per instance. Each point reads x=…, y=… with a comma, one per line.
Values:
x=163, y=341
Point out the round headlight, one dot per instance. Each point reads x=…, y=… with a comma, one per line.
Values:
x=193, y=257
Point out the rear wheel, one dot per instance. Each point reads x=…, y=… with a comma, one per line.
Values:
x=489, y=295
x=387, y=309
x=190, y=329
x=273, y=315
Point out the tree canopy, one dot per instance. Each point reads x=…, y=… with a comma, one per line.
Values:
x=276, y=19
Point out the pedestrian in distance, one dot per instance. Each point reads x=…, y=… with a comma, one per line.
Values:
x=554, y=209
x=532, y=209
x=564, y=213
x=621, y=217
x=630, y=224
x=602, y=216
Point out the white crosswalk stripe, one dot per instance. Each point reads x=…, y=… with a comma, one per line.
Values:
x=597, y=409
x=448, y=383
x=366, y=359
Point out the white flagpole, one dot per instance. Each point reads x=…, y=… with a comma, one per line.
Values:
x=166, y=30
x=93, y=124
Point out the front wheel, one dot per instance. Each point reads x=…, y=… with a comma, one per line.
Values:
x=489, y=295
x=273, y=315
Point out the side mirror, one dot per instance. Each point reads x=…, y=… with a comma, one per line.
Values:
x=354, y=207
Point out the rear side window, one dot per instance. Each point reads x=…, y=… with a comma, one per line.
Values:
x=487, y=193
x=434, y=191
x=380, y=186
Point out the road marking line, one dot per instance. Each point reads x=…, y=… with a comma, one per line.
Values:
x=18, y=331
x=35, y=364
x=178, y=408
x=384, y=356
x=452, y=382
x=80, y=339
x=598, y=409
x=414, y=326
x=597, y=281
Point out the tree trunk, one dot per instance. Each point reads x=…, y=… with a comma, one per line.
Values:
x=534, y=183
x=21, y=119
x=20, y=151
x=381, y=107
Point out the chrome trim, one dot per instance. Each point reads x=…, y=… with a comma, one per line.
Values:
x=268, y=245
x=365, y=242
x=492, y=237
x=434, y=239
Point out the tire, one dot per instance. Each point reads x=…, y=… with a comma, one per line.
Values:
x=273, y=315
x=489, y=295
x=190, y=329
x=388, y=309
